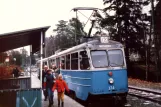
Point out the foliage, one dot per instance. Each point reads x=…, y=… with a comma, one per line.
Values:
x=33, y=60
x=67, y=34
x=6, y=71
x=126, y=23
x=157, y=17
x=17, y=55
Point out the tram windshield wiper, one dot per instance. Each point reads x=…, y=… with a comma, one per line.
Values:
x=116, y=65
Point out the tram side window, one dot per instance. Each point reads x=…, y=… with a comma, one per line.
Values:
x=50, y=64
x=74, y=61
x=58, y=62
x=44, y=63
x=63, y=62
x=54, y=62
x=67, y=62
x=84, y=62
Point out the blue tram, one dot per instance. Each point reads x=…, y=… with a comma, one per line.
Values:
x=94, y=68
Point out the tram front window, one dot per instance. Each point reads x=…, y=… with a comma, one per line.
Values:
x=115, y=58
x=99, y=59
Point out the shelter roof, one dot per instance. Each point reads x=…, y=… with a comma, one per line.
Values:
x=22, y=38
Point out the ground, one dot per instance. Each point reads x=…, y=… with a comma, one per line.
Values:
x=144, y=84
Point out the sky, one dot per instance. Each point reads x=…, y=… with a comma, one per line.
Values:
x=16, y=15
x=25, y=14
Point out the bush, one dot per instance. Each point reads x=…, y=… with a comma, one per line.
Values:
x=6, y=71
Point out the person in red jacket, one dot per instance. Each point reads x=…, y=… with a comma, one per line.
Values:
x=60, y=85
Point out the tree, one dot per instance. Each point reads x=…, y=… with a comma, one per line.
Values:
x=157, y=27
x=33, y=60
x=67, y=34
x=76, y=29
x=17, y=55
x=62, y=37
x=126, y=24
x=49, y=49
x=157, y=18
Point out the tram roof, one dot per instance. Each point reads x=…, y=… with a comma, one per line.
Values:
x=81, y=46
x=22, y=38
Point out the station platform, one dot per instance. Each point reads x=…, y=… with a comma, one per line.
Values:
x=68, y=102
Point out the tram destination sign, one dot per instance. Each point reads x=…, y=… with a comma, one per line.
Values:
x=109, y=46
x=105, y=46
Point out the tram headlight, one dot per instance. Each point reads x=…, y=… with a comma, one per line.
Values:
x=111, y=81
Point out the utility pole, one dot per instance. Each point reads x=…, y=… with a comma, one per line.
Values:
x=23, y=57
x=118, y=22
x=76, y=28
x=45, y=49
x=155, y=39
x=145, y=47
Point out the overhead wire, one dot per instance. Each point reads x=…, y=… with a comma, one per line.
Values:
x=83, y=14
x=88, y=19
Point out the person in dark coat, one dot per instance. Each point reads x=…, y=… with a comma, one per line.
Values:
x=44, y=72
x=48, y=84
x=16, y=72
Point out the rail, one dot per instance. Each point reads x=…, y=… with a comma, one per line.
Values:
x=145, y=93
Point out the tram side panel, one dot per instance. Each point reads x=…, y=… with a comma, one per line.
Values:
x=79, y=81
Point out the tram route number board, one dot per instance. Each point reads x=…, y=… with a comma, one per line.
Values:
x=104, y=39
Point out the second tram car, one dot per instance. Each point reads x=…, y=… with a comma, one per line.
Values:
x=94, y=69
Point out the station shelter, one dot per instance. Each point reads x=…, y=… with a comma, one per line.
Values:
x=25, y=95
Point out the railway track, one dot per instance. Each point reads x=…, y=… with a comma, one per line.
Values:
x=144, y=93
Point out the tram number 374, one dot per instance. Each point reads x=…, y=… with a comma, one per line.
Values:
x=111, y=88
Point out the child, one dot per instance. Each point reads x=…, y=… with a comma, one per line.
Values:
x=60, y=85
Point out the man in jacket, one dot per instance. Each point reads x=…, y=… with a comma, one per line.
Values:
x=44, y=72
x=60, y=85
x=48, y=84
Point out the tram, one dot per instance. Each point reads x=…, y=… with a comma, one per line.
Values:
x=94, y=69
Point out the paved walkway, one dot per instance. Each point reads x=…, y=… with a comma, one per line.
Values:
x=67, y=103
x=35, y=82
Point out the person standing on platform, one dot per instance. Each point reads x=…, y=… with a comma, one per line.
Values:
x=16, y=72
x=57, y=72
x=54, y=67
x=43, y=75
x=60, y=85
x=48, y=84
